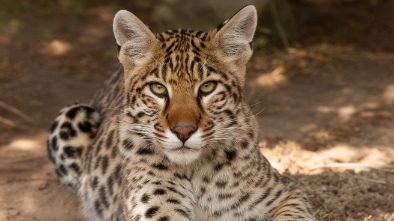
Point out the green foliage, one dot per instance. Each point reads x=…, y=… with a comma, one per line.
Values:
x=42, y=8
x=277, y=25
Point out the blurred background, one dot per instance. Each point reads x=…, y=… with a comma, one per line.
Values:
x=321, y=83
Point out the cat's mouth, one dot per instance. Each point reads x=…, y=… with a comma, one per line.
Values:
x=183, y=148
x=182, y=154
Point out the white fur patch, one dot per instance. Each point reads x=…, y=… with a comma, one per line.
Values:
x=174, y=150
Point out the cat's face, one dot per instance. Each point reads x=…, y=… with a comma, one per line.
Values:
x=184, y=88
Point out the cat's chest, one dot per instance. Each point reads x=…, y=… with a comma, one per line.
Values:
x=222, y=194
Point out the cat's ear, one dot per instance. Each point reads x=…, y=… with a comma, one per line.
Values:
x=235, y=35
x=133, y=37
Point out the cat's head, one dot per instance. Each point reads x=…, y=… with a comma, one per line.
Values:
x=183, y=88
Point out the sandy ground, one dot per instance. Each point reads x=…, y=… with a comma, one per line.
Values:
x=325, y=108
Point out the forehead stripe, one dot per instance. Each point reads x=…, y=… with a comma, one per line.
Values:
x=170, y=47
x=155, y=72
x=195, y=46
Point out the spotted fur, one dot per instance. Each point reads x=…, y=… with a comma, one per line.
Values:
x=174, y=140
x=71, y=134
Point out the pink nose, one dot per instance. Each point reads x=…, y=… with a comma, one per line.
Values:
x=183, y=131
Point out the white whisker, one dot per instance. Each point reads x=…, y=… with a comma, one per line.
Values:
x=260, y=111
x=256, y=103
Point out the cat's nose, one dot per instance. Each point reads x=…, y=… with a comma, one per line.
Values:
x=183, y=132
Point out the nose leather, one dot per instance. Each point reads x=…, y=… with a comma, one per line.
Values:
x=183, y=131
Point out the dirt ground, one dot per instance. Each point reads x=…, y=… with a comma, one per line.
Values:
x=325, y=107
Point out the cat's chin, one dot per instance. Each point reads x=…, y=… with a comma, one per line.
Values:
x=183, y=155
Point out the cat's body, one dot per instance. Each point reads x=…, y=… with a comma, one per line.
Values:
x=175, y=140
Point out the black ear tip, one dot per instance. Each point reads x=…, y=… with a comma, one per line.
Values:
x=119, y=47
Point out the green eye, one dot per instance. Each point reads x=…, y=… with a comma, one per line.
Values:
x=158, y=89
x=207, y=87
